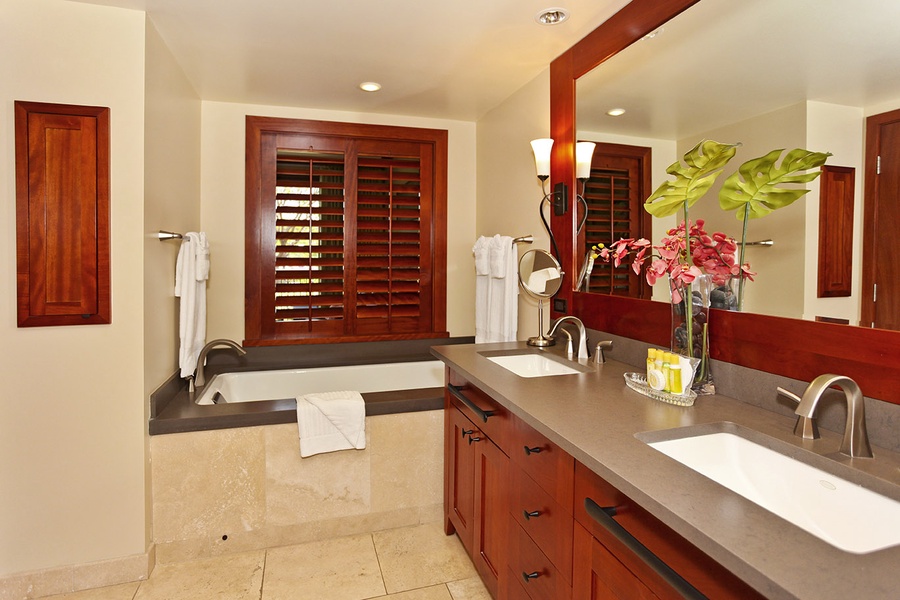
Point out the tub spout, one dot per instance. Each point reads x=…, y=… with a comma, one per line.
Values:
x=199, y=379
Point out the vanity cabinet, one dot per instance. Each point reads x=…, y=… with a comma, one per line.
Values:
x=622, y=551
x=476, y=477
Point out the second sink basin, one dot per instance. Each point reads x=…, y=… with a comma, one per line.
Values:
x=840, y=512
x=532, y=364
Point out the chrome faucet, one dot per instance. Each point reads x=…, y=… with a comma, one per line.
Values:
x=856, y=439
x=582, y=334
x=199, y=379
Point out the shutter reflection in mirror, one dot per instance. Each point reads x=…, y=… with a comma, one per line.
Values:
x=615, y=194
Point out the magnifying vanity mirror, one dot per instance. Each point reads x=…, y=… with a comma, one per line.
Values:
x=541, y=277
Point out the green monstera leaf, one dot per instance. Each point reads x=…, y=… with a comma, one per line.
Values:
x=753, y=190
x=703, y=164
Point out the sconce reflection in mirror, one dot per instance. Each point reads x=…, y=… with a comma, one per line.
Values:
x=584, y=152
x=541, y=277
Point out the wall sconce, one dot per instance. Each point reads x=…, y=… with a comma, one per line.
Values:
x=557, y=198
x=584, y=152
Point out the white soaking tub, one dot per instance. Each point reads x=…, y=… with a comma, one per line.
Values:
x=252, y=386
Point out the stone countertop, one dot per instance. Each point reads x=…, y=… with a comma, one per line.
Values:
x=595, y=417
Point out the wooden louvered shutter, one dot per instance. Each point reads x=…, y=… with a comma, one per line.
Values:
x=345, y=232
x=615, y=196
x=309, y=241
x=393, y=216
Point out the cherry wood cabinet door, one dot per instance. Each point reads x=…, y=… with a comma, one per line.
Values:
x=491, y=508
x=599, y=575
x=62, y=214
x=460, y=476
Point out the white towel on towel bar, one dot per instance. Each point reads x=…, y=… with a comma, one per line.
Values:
x=191, y=273
x=496, y=289
x=331, y=421
x=482, y=252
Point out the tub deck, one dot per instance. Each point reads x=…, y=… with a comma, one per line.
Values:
x=172, y=410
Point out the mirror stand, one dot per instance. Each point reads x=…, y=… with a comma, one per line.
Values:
x=540, y=340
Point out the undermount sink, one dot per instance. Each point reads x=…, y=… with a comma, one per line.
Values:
x=845, y=514
x=532, y=364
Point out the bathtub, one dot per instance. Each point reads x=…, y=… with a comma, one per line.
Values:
x=251, y=386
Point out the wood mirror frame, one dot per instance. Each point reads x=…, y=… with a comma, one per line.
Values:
x=789, y=347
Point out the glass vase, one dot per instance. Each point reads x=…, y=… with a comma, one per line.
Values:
x=690, y=331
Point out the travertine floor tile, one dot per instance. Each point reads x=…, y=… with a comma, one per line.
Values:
x=435, y=592
x=420, y=556
x=341, y=569
x=468, y=589
x=124, y=591
x=232, y=577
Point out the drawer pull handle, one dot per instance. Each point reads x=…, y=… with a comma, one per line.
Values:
x=482, y=414
x=603, y=515
x=529, y=576
x=531, y=515
x=466, y=432
x=474, y=439
x=535, y=450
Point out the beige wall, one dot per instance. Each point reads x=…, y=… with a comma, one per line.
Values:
x=839, y=130
x=71, y=406
x=509, y=191
x=778, y=289
x=171, y=203
x=222, y=208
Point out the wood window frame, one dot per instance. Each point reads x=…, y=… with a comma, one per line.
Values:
x=62, y=214
x=259, y=329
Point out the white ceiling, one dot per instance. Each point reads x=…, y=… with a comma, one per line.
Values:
x=453, y=59
x=723, y=61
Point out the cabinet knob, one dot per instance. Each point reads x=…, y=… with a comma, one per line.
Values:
x=529, y=576
x=466, y=432
x=531, y=515
x=474, y=439
x=535, y=450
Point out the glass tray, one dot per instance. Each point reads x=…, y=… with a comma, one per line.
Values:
x=638, y=383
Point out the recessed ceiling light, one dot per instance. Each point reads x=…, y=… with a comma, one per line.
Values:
x=616, y=112
x=370, y=86
x=551, y=16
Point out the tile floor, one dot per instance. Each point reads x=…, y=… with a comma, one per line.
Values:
x=411, y=563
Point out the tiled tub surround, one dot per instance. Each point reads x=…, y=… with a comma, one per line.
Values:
x=232, y=490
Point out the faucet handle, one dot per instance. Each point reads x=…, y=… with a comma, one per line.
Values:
x=599, y=357
x=806, y=427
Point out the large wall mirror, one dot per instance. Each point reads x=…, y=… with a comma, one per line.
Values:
x=769, y=74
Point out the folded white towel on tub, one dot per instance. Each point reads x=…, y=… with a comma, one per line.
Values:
x=331, y=421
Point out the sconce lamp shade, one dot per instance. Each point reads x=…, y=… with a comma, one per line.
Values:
x=541, y=149
x=584, y=153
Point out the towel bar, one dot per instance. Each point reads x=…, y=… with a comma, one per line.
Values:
x=168, y=235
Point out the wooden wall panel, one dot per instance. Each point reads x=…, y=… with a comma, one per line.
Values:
x=62, y=214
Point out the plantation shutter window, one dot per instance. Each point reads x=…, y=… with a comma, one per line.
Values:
x=346, y=234
x=614, y=195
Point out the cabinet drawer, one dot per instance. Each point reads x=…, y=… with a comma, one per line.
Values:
x=543, y=519
x=697, y=568
x=545, y=462
x=532, y=570
x=481, y=409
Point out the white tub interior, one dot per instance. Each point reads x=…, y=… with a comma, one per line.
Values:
x=250, y=386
